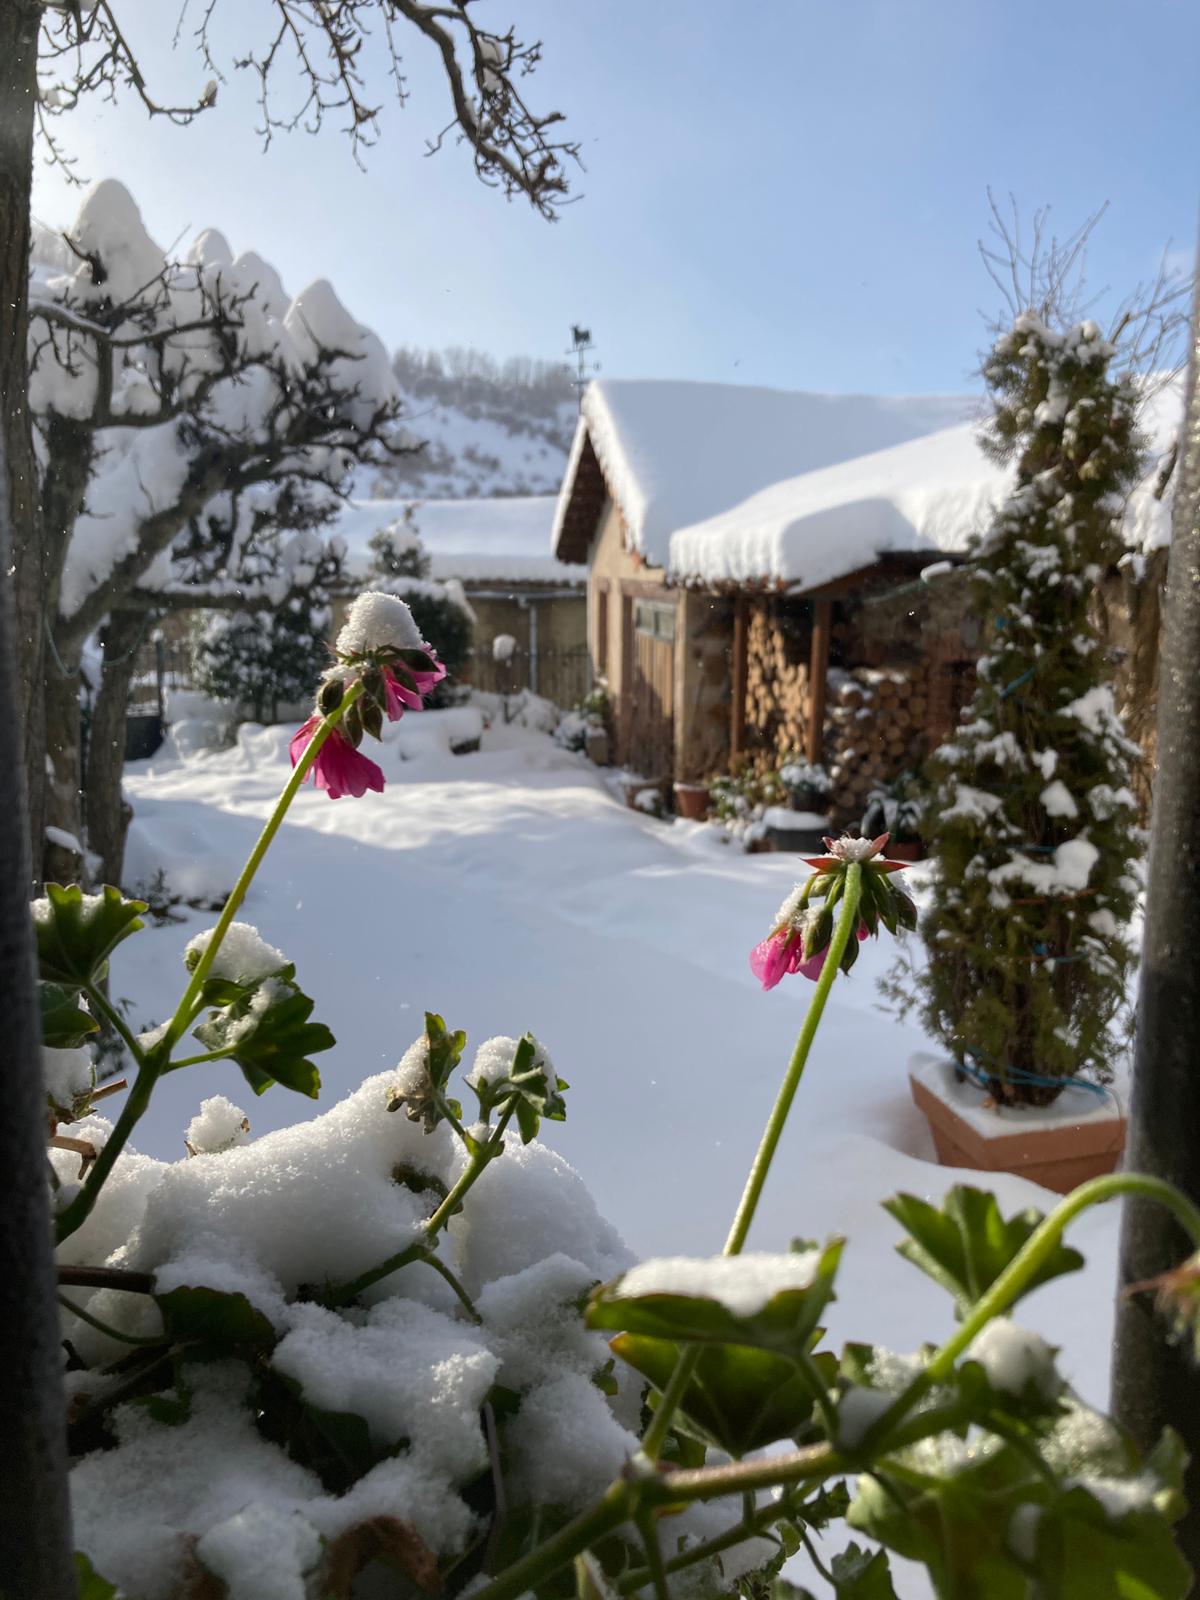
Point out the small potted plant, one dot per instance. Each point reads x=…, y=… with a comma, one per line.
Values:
x=894, y=808
x=803, y=821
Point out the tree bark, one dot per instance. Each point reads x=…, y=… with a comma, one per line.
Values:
x=19, y=25
x=35, y=1527
x=1155, y=1382
x=108, y=813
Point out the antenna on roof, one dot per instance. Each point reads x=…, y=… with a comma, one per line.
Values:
x=585, y=370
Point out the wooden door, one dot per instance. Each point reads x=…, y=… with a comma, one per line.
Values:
x=650, y=729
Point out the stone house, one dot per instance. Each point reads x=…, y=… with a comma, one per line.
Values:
x=772, y=572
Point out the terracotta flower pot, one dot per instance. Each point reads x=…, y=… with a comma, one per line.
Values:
x=905, y=850
x=1059, y=1146
x=691, y=801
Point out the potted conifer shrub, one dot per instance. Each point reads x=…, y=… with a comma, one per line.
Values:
x=1032, y=823
x=804, y=821
x=895, y=809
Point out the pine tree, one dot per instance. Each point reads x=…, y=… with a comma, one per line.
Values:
x=1033, y=821
x=263, y=659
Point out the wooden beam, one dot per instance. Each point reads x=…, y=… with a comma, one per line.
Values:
x=818, y=669
x=737, y=709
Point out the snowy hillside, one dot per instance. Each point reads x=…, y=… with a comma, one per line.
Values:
x=488, y=429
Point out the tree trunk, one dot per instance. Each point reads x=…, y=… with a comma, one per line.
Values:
x=19, y=25
x=108, y=814
x=61, y=863
x=35, y=1527
x=1155, y=1382
x=71, y=452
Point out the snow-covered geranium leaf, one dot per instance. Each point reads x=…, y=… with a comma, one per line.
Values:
x=1076, y=1508
x=267, y=1032
x=336, y=1444
x=740, y=1398
x=65, y=1023
x=196, y=1314
x=966, y=1244
x=77, y=932
x=526, y=1083
x=386, y=1540
x=91, y=1585
x=771, y=1302
x=423, y=1093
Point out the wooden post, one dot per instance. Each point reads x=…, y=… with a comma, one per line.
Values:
x=1155, y=1384
x=817, y=672
x=737, y=708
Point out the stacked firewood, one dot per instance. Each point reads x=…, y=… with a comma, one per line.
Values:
x=875, y=724
x=777, y=697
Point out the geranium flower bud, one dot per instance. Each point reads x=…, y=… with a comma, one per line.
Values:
x=800, y=938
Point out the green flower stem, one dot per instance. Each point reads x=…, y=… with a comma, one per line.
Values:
x=103, y=1327
x=1015, y=1278
x=480, y=1157
x=647, y=1528
x=198, y=1061
x=628, y=1496
x=791, y=1080
x=613, y=1508
x=673, y=1394
x=154, y=1062
x=77, y=1213
x=117, y=1022
x=184, y=1010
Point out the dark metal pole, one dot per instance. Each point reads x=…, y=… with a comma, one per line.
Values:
x=1155, y=1382
x=35, y=1527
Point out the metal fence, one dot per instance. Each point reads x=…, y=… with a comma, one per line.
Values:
x=563, y=676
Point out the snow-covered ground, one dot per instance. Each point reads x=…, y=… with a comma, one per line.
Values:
x=509, y=890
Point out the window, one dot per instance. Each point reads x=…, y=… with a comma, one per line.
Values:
x=653, y=618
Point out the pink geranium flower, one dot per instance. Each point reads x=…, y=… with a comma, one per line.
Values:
x=339, y=769
x=399, y=696
x=783, y=954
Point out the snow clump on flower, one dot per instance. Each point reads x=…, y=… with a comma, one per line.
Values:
x=378, y=621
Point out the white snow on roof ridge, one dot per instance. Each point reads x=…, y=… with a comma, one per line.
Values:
x=675, y=452
x=926, y=494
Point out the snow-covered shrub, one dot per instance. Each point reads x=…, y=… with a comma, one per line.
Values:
x=1032, y=822
x=894, y=808
x=589, y=714
x=807, y=784
x=263, y=660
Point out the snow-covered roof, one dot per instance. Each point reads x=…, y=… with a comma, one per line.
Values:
x=931, y=494
x=676, y=453
x=505, y=540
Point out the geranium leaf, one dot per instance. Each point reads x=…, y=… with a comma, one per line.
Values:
x=966, y=1243
x=195, y=1313
x=76, y=932
x=740, y=1398
x=267, y=1032
x=783, y=1322
x=65, y=1023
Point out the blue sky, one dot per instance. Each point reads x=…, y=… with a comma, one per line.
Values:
x=785, y=192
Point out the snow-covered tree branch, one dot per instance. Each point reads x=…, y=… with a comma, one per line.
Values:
x=197, y=430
